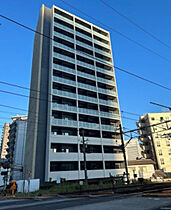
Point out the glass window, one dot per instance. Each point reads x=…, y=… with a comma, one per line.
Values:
x=158, y=143
x=162, y=161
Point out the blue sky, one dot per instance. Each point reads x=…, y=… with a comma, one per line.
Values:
x=134, y=95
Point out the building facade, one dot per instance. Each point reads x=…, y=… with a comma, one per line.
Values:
x=74, y=79
x=16, y=150
x=157, y=139
x=4, y=141
x=133, y=150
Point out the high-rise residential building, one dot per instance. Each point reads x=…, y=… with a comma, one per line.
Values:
x=73, y=91
x=5, y=139
x=133, y=150
x=16, y=150
x=157, y=139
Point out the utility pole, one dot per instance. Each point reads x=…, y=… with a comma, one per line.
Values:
x=84, y=156
x=124, y=154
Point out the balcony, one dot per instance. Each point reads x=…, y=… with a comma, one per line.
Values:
x=110, y=115
x=64, y=81
x=83, y=36
x=106, y=91
x=62, y=122
x=62, y=46
x=104, y=71
x=111, y=128
x=87, y=87
x=64, y=69
x=63, y=57
x=63, y=18
x=108, y=102
x=88, y=111
x=102, y=52
x=89, y=125
x=84, y=45
x=105, y=81
x=63, y=27
x=83, y=27
x=87, y=98
x=64, y=107
x=101, y=35
x=67, y=38
x=85, y=64
x=82, y=74
x=64, y=93
x=101, y=44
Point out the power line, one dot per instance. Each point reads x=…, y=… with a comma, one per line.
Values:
x=130, y=113
x=137, y=25
x=121, y=34
x=120, y=69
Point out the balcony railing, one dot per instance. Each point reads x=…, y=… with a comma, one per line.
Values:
x=62, y=122
x=104, y=71
x=101, y=43
x=88, y=111
x=62, y=80
x=87, y=98
x=63, y=27
x=89, y=125
x=63, y=57
x=63, y=68
x=63, y=18
x=106, y=91
x=82, y=74
x=110, y=128
x=83, y=36
x=108, y=102
x=64, y=93
x=85, y=86
x=84, y=64
x=67, y=38
x=84, y=45
x=62, y=46
x=102, y=52
x=106, y=81
x=110, y=115
x=64, y=107
x=83, y=27
x=101, y=35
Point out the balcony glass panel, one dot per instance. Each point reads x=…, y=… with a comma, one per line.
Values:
x=87, y=98
x=109, y=128
x=101, y=43
x=104, y=71
x=89, y=125
x=83, y=36
x=89, y=76
x=62, y=46
x=64, y=107
x=106, y=81
x=110, y=103
x=62, y=122
x=85, y=55
x=100, y=35
x=64, y=37
x=89, y=87
x=85, y=64
x=63, y=27
x=63, y=18
x=102, y=52
x=63, y=68
x=111, y=115
x=84, y=45
x=106, y=91
x=64, y=57
x=83, y=27
x=62, y=80
x=64, y=93
x=88, y=111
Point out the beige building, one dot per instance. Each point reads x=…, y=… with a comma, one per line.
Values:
x=155, y=135
x=143, y=168
x=5, y=140
x=133, y=150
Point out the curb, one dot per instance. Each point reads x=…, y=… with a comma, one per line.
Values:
x=157, y=195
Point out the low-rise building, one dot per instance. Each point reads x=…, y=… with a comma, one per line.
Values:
x=16, y=150
x=143, y=168
x=155, y=136
x=5, y=139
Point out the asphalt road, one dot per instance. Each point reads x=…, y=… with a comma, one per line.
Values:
x=108, y=202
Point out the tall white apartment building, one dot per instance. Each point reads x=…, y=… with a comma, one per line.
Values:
x=5, y=140
x=73, y=87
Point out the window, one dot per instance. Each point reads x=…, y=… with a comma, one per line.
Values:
x=63, y=166
x=152, y=118
x=92, y=165
x=114, y=165
x=158, y=143
x=169, y=151
x=160, y=152
x=162, y=161
x=57, y=147
x=112, y=149
x=167, y=143
x=161, y=118
x=92, y=148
